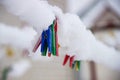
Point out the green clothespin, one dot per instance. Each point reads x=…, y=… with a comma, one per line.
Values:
x=45, y=49
x=76, y=65
x=5, y=73
x=53, y=40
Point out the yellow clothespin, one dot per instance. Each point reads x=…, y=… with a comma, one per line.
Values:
x=9, y=52
x=76, y=66
x=58, y=45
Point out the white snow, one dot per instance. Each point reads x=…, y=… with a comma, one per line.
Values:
x=19, y=68
x=35, y=12
x=12, y=36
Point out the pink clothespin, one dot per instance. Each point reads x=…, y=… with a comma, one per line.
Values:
x=37, y=44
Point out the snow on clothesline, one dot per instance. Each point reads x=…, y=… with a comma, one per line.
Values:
x=74, y=38
x=35, y=12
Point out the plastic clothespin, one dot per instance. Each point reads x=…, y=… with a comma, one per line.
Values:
x=37, y=44
x=77, y=65
x=71, y=61
x=49, y=40
x=56, y=37
x=5, y=73
x=44, y=44
x=53, y=40
x=49, y=54
x=44, y=49
x=66, y=59
x=43, y=41
x=9, y=52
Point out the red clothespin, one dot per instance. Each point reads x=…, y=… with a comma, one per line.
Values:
x=71, y=61
x=37, y=44
x=49, y=54
x=56, y=37
x=66, y=59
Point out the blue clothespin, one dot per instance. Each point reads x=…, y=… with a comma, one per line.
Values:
x=42, y=41
x=49, y=39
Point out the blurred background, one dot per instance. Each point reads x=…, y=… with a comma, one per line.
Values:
x=102, y=17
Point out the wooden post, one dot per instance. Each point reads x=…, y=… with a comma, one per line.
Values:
x=92, y=71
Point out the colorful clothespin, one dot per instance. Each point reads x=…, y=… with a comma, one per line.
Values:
x=44, y=44
x=67, y=57
x=56, y=37
x=49, y=40
x=77, y=65
x=53, y=39
x=73, y=64
x=37, y=44
x=5, y=73
x=9, y=52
